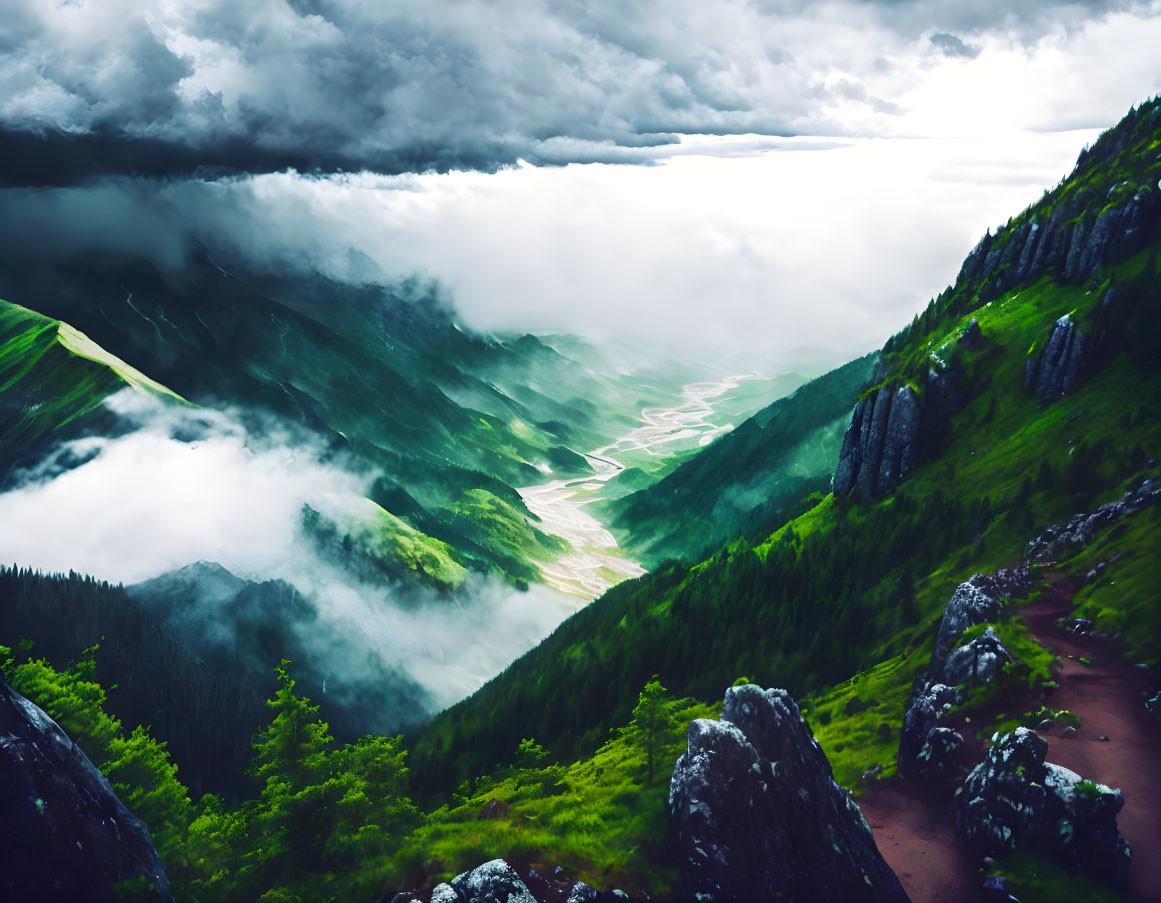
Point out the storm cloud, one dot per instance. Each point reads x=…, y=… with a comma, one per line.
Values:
x=204, y=86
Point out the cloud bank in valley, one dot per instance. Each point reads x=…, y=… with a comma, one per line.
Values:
x=187, y=485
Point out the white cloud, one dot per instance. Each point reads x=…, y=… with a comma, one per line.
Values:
x=147, y=503
x=745, y=247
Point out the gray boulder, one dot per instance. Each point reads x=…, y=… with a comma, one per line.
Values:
x=969, y=605
x=977, y=662
x=64, y=834
x=1014, y=801
x=925, y=747
x=492, y=882
x=581, y=893
x=758, y=814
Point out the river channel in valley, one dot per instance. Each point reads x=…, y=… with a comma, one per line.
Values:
x=596, y=563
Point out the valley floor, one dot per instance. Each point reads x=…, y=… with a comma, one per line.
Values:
x=596, y=563
x=914, y=821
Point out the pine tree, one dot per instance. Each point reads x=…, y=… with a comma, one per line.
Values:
x=295, y=743
x=652, y=721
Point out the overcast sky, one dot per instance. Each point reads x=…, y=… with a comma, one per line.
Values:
x=749, y=177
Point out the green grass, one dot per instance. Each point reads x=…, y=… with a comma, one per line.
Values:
x=597, y=818
x=858, y=722
x=51, y=375
x=1005, y=724
x=504, y=532
x=387, y=537
x=1036, y=881
x=1122, y=596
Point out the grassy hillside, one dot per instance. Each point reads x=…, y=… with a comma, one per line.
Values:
x=51, y=377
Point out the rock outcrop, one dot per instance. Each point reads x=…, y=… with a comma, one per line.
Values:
x=1014, y=801
x=499, y=881
x=1062, y=541
x=64, y=835
x=971, y=338
x=978, y=600
x=495, y=880
x=759, y=816
x=1067, y=241
x=882, y=443
x=925, y=746
x=889, y=425
x=978, y=661
x=1062, y=363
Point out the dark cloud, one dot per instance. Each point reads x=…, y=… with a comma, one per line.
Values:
x=126, y=86
x=950, y=45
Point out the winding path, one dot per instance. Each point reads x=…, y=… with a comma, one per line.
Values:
x=913, y=821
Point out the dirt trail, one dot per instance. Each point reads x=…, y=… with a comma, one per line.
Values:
x=1107, y=695
x=914, y=822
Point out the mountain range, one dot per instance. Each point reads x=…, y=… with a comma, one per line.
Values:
x=942, y=555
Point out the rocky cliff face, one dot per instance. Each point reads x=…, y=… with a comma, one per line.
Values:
x=64, y=835
x=888, y=426
x=1071, y=241
x=882, y=443
x=1014, y=801
x=1060, y=366
x=1062, y=540
x=759, y=816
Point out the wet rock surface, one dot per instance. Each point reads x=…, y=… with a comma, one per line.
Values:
x=64, y=835
x=758, y=814
x=1014, y=801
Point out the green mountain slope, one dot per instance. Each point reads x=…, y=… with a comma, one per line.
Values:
x=51, y=377
x=854, y=582
x=747, y=477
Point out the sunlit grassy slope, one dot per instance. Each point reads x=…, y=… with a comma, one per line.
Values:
x=51, y=376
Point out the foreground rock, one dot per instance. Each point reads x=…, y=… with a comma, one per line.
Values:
x=498, y=881
x=759, y=816
x=1014, y=802
x=64, y=835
